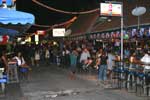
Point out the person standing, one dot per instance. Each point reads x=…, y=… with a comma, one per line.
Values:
x=102, y=68
x=97, y=58
x=110, y=64
x=67, y=57
x=73, y=63
x=37, y=57
x=31, y=54
x=47, y=56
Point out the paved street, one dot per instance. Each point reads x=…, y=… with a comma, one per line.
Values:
x=52, y=83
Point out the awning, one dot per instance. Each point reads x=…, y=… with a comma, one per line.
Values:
x=15, y=17
x=16, y=20
x=10, y=32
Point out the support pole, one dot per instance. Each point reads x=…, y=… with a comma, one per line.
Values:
x=122, y=38
x=122, y=34
x=138, y=23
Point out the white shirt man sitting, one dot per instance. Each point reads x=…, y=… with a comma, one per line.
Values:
x=146, y=59
x=85, y=58
x=84, y=55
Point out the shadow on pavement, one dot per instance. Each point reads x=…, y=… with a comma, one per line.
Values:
x=13, y=92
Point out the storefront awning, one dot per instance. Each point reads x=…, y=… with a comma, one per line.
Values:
x=9, y=32
x=15, y=17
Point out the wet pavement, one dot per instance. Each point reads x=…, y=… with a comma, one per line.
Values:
x=52, y=83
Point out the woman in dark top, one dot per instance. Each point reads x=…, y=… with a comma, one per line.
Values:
x=102, y=69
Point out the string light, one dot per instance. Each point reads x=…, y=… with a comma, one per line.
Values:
x=45, y=26
x=62, y=11
x=64, y=23
x=67, y=22
x=56, y=25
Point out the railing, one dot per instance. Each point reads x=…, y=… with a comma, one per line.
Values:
x=134, y=77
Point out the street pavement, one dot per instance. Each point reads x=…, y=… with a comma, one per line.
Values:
x=52, y=83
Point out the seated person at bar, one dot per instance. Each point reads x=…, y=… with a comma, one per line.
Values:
x=85, y=58
x=146, y=59
x=133, y=60
x=146, y=62
x=23, y=67
x=20, y=61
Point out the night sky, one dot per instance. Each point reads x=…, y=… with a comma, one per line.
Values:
x=47, y=17
x=44, y=16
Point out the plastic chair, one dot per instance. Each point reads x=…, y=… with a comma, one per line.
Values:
x=23, y=72
x=131, y=80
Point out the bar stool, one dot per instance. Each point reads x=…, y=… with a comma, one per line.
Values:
x=119, y=74
x=115, y=76
x=140, y=83
x=147, y=83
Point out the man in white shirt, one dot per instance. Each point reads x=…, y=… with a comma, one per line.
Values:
x=84, y=55
x=146, y=59
x=85, y=58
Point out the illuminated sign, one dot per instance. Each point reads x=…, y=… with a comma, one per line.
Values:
x=110, y=9
x=58, y=32
x=40, y=32
x=36, y=38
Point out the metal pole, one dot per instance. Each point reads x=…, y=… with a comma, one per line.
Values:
x=138, y=23
x=122, y=42
x=122, y=34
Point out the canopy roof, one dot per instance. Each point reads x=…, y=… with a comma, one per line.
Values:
x=15, y=17
x=10, y=32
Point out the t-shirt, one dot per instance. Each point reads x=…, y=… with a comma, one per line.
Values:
x=104, y=59
x=20, y=61
x=84, y=56
x=146, y=59
x=73, y=59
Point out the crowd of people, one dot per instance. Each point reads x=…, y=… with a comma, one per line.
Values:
x=72, y=55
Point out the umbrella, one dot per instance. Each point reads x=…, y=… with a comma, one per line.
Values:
x=17, y=20
x=15, y=17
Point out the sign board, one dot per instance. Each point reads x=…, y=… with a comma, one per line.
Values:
x=40, y=32
x=58, y=32
x=110, y=9
x=36, y=38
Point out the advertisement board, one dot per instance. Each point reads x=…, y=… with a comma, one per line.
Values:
x=110, y=9
x=58, y=32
